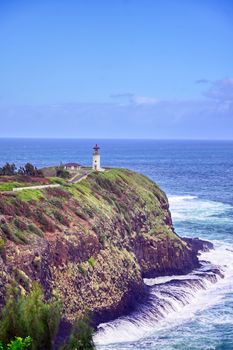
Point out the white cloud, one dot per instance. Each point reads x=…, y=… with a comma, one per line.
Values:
x=132, y=99
x=221, y=90
x=144, y=100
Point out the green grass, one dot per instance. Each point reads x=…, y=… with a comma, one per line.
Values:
x=57, y=180
x=30, y=195
x=8, y=186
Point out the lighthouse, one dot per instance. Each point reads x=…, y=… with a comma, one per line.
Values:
x=96, y=158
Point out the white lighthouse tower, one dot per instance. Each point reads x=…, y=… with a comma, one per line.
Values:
x=96, y=158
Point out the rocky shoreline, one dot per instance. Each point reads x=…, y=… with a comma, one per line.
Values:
x=139, y=295
x=92, y=243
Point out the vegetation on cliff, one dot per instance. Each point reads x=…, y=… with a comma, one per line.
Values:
x=27, y=170
x=92, y=242
x=28, y=322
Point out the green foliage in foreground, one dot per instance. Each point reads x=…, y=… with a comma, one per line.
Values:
x=18, y=344
x=80, y=337
x=31, y=316
x=28, y=322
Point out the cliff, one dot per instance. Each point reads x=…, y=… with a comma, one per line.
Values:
x=92, y=243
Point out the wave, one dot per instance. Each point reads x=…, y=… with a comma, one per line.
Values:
x=175, y=299
x=193, y=209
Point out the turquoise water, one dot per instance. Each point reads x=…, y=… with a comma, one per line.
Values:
x=198, y=178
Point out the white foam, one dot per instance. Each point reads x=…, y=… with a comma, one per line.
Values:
x=164, y=279
x=191, y=208
x=193, y=298
x=177, y=311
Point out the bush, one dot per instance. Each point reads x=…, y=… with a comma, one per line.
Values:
x=56, y=203
x=91, y=261
x=34, y=229
x=64, y=174
x=2, y=247
x=9, y=233
x=89, y=212
x=18, y=344
x=22, y=278
x=8, y=169
x=37, y=262
x=80, y=214
x=21, y=208
x=61, y=218
x=6, y=208
x=30, y=170
x=13, y=234
x=82, y=269
x=29, y=315
x=81, y=336
x=20, y=224
x=46, y=224
x=20, y=237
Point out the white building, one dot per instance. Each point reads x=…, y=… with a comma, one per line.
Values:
x=72, y=166
x=96, y=159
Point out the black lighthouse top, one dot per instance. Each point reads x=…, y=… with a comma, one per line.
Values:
x=96, y=149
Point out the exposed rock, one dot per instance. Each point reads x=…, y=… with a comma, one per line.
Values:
x=93, y=242
x=198, y=244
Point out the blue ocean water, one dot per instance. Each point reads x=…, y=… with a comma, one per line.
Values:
x=198, y=179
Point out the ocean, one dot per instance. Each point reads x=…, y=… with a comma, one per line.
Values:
x=198, y=179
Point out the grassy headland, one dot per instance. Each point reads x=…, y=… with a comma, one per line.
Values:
x=91, y=242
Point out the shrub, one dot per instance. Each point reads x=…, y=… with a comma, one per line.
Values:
x=37, y=262
x=91, y=261
x=82, y=269
x=6, y=208
x=61, y=218
x=20, y=224
x=13, y=234
x=81, y=336
x=29, y=315
x=22, y=278
x=8, y=169
x=30, y=170
x=102, y=237
x=56, y=203
x=8, y=232
x=34, y=229
x=108, y=185
x=21, y=208
x=20, y=237
x=2, y=247
x=64, y=174
x=80, y=214
x=46, y=224
x=18, y=343
x=89, y=212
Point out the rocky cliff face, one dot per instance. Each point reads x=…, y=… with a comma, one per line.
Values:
x=92, y=243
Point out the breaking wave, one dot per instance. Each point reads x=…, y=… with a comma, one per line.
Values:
x=191, y=208
x=174, y=300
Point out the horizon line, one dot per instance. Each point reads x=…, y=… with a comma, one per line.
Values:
x=108, y=138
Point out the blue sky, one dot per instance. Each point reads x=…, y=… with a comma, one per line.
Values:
x=116, y=69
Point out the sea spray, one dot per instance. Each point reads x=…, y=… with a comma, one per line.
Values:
x=175, y=300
